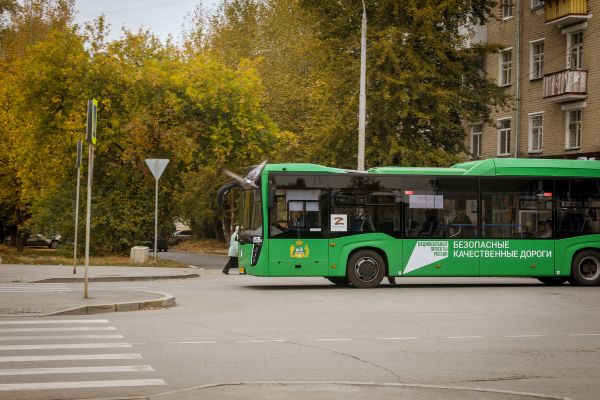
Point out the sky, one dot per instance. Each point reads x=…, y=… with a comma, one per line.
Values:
x=159, y=16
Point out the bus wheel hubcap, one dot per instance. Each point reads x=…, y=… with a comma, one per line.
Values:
x=589, y=268
x=366, y=269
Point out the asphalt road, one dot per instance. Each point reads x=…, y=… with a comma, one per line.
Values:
x=498, y=334
x=207, y=261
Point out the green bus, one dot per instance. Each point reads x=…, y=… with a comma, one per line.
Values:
x=495, y=217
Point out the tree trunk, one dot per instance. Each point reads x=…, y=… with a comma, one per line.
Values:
x=218, y=229
x=21, y=239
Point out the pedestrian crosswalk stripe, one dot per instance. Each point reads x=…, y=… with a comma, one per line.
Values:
x=32, y=290
x=72, y=357
x=61, y=329
x=76, y=370
x=63, y=346
x=54, y=321
x=59, y=337
x=80, y=384
x=26, y=368
x=33, y=287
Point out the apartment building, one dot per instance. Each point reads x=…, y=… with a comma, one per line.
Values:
x=550, y=64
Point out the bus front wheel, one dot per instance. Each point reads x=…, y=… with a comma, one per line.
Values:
x=366, y=269
x=585, y=269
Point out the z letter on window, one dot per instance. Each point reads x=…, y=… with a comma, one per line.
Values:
x=339, y=222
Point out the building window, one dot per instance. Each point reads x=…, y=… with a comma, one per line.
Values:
x=476, y=133
x=536, y=133
x=505, y=67
x=507, y=8
x=504, y=137
x=537, y=60
x=576, y=51
x=535, y=4
x=573, y=129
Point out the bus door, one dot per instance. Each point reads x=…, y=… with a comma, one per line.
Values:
x=297, y=246
x=517, y=227
x=440, y=221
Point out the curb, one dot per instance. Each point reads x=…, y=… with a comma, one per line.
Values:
x=166, y=301
x=372, y=384
x=118, y=278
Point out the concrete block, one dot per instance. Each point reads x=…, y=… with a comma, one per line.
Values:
x=139, y=254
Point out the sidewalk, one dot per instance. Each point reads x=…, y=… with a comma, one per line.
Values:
x=40, y=290
x=64, y=273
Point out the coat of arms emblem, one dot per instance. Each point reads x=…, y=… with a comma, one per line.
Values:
x=299, y=249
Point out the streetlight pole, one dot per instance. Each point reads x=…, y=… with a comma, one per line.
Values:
x=362, y=102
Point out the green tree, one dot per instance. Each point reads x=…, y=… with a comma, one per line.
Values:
x=423, y=82
x=38, y=51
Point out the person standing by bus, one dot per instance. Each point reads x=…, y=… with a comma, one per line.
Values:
x=233, y=252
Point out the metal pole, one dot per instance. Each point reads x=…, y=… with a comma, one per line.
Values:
x=155, y=220
x=76, y=219
x=88, y=218
x=362, y=103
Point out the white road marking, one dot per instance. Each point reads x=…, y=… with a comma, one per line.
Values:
x=60, y=337
x=398, y=338
x=80, y=384
x=202, y=342
x=34, y=283
x=76, y=370
x=33, y=287
x=522, y=336
x=277, y=340
x=54, y=321
x=461, y=337
x=63, y=346
x=33, y=290
x=584, y=334
x=73, y=357
x=62, y=329
x=252, y=341
x=331, y=340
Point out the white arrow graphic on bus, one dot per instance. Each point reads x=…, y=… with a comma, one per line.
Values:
x=425, y=253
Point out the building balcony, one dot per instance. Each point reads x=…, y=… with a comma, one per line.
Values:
x=565, y=12
x=565, y=85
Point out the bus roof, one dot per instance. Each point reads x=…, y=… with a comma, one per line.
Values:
x=488, y=167
x=305, y=168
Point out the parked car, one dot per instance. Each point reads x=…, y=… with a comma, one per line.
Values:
x=40, y=241
x=162, y=244
x=180, y=236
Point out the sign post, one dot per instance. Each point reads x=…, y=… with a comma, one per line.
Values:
x=157, y=167
x=78, y=166
x=92, y=110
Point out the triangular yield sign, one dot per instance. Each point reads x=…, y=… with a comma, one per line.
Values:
x=157, y=166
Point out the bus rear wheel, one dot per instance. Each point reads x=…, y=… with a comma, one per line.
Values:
x=553, y=280
x=338, y=280
x=366, y=269
x=585, y=270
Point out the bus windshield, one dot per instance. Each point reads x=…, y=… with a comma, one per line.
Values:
x=251, y=216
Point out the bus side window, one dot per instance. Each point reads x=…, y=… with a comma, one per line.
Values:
x=577, y=207
x=278, y=222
